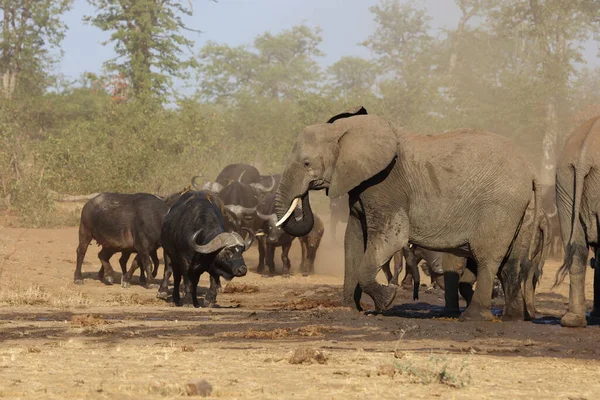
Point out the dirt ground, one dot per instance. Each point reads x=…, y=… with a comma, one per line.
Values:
x=270, y=338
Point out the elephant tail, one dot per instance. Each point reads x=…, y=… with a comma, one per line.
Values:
x=537, y=200
x=544, y=228
x=579, y=174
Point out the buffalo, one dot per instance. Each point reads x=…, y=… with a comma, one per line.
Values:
x=125, y=223
x=195, y=241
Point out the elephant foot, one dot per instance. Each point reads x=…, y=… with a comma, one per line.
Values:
x=572, y=320
x=162, y=295
x=384, y=297
x=476, y=314
x=512, y=317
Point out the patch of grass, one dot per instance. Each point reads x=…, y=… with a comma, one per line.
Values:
x=166, y=389
x=282, y=333
x=36, y=295
x=88, y=324
x=434, y=370
x=277, y=333
x=308, y=304
x=133, y=299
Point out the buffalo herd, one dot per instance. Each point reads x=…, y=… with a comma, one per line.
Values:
x=204, y=228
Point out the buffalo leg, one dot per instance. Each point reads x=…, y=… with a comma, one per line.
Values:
x=163, y=290
x=104, y=256
x=211, y=295
x=285, y=259
x=312, y=254
x=270, y=259
x=194, y=276
x=154, y=257
x=305, y=257
x=176, y=282
x=84, y=241
x=261, y=254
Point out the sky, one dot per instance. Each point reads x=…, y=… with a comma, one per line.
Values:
x=344, y=24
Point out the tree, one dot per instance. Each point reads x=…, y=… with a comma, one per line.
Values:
x=352, y=75
x=554, y=31
x=30, y=28
x=275, y=66
x=147, y=39
x=406, y=52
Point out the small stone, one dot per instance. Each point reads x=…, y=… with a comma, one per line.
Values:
x=307, y=356
x=386, y=370
x=199, y=388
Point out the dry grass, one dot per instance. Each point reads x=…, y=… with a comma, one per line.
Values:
x=133, y=299
x=36, y=295
x=308, y=304
x=240, y=288
x=434, y=370
x=282, y=333
x=166, y=389
x=88, y=324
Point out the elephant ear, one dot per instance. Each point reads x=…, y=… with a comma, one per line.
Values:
x=358, y=110
x=367, y=145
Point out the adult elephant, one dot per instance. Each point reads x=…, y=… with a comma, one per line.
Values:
x=578, y=201
x=465, y=192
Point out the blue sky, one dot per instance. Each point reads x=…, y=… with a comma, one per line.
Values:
x=344, y=24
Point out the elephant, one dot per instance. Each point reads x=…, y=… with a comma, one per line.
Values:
x=578, y=202
x=549, y=204
x=459, y=274
x=464, y=192
x=338, y=213
x=269, y=237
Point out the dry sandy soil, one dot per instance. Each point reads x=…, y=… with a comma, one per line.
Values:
x=58, y=340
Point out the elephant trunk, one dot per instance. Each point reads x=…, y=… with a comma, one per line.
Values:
x=290, y=188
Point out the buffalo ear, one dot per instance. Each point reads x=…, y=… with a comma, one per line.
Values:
x=358, y=110
x=367, y=145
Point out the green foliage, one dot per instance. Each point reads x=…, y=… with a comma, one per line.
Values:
x=275, y=67
x=113, y=133
x=147, y=40
x=30, y=30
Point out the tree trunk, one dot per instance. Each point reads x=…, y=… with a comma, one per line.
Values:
x=549, y=144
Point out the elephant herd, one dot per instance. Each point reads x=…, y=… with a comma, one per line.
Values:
x=467, y=193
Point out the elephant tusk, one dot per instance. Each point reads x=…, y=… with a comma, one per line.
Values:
x=289, y=212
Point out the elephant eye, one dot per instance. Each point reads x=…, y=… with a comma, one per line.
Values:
x=306, y=163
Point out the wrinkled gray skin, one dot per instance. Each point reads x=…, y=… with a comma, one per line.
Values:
x=338, y=213
x=463, y=192
x=413, y=256
x=578, y=201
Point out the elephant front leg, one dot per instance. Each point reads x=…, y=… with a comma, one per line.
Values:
x=353, y=252
x=382, y=295
x=480, y=307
